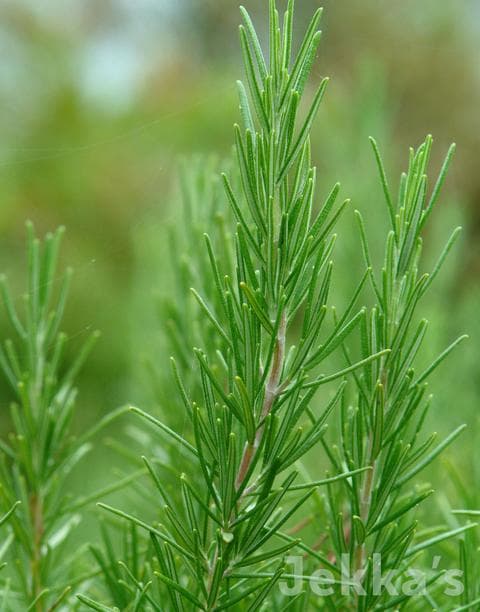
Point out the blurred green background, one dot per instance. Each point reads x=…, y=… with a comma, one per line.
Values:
x=100, y=98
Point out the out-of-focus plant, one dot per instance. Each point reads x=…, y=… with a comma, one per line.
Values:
x=462, y=476
x=41, y=452
x=201, y=208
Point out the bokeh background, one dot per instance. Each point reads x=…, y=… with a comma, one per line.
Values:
x=101, y=98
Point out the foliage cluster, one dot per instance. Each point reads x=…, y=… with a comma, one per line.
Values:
x=263, y=365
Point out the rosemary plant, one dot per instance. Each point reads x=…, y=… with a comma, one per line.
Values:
x=40, y=454
x=372, y=517
x=252, y=421
x=202, y=208
x=230, y=473
x=469, y=547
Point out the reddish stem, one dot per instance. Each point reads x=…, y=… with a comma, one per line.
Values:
x=271, y=393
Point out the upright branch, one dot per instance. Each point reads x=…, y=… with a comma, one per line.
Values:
x=41, y=452
x=252, y=420
x=385, y=430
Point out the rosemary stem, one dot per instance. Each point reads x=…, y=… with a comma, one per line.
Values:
x=271, y=393
x=272, y=390
x=36, y=561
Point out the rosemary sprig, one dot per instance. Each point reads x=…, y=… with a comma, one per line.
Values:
x=250, y=420
x=38, y=459
x=385, y=429
x=257, y=314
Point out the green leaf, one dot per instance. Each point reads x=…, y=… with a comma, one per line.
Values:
x=304, y=132
x=183, y=591
x=439, y=538
x=94, y=605
x=431, y=456
x=172, y=434
x=383, y=178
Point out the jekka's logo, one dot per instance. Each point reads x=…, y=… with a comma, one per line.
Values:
x=410, y=582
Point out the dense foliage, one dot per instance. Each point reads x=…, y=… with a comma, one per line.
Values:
x=275, y=387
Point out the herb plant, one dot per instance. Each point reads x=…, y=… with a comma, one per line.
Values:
x=252, y=421
x=41, y=452
x=232, y=499
x=383, y=428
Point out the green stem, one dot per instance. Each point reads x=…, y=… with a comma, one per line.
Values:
x=272, y=390
x=271, y=393
x=36, y=507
